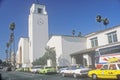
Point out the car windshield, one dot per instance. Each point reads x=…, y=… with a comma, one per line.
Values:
x=81, y=66
x=47, y=67
x=73, y=67
x=105, y=67
x=35, y=67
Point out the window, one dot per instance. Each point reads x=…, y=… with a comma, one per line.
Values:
x=112, y=37
x=112, y=67
x=39, y=10
x=97, y=54
x=105, y=67
x=109, y=50
x=94, y=42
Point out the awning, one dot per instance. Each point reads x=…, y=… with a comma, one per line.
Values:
x=83, y=51
x=93, y=49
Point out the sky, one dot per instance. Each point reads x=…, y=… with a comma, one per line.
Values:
x=63, y=16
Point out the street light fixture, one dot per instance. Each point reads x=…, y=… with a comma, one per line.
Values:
x=100, y=19
x=105, y=21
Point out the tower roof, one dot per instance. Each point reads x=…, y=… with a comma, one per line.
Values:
x=38, y=8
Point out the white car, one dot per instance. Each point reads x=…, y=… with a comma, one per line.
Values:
x=35, y=69
x=75, y=71
x=61, y=69
x=80, y=72
x=68, y=71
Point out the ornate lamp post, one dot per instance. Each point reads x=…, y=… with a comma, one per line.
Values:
x=100, y=19
x=12, y=40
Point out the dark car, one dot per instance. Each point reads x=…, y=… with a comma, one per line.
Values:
x=7, y=68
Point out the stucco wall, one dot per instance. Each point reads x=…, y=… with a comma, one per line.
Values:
x=23, y=51
x=102, y=37
x=64, y=46
x=56, y=42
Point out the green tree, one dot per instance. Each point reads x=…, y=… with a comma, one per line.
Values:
x=0, y=61
x=39, y=61
x=49, y=54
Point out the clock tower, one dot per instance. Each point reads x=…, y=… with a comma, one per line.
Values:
x=37, y=31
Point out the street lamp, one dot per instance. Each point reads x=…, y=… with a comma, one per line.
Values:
x=100, y=19
x=105, y=21
x=12, y=40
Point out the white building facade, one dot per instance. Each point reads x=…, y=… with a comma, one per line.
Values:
x=106, y=41
x=64, y=46
x=23, y=53
x=69, y=49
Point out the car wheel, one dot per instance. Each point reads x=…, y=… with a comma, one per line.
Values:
x=94, y=77
x=63, y=74
x=118, y=77
x=74, y=75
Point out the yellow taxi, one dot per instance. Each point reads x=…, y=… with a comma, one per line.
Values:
x=114, y=59
x=108, y=71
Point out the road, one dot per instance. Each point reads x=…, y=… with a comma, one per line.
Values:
x=30, y=76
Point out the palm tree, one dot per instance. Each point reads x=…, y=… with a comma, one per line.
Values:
x=73, y=32
x=7, y=45
x=50, y=53
x=79, y=34
x=12, y=40
x=12, y=26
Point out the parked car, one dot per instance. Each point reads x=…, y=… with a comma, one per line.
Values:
x=61, y=69
x=68, y=71
x=47, y=70
x=1, y=67
x=108, y=71
x=75, y=71
x=35, y=69
x=7, y=68
x=26, y=69
x=20, y=69
x=81, y=72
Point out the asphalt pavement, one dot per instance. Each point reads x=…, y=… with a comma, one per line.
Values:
x=14, y=75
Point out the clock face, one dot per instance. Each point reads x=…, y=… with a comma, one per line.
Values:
x=40, y=21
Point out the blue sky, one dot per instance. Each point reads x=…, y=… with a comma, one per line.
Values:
x=64, y=16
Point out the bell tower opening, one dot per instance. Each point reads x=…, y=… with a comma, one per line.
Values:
x=40, y=10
